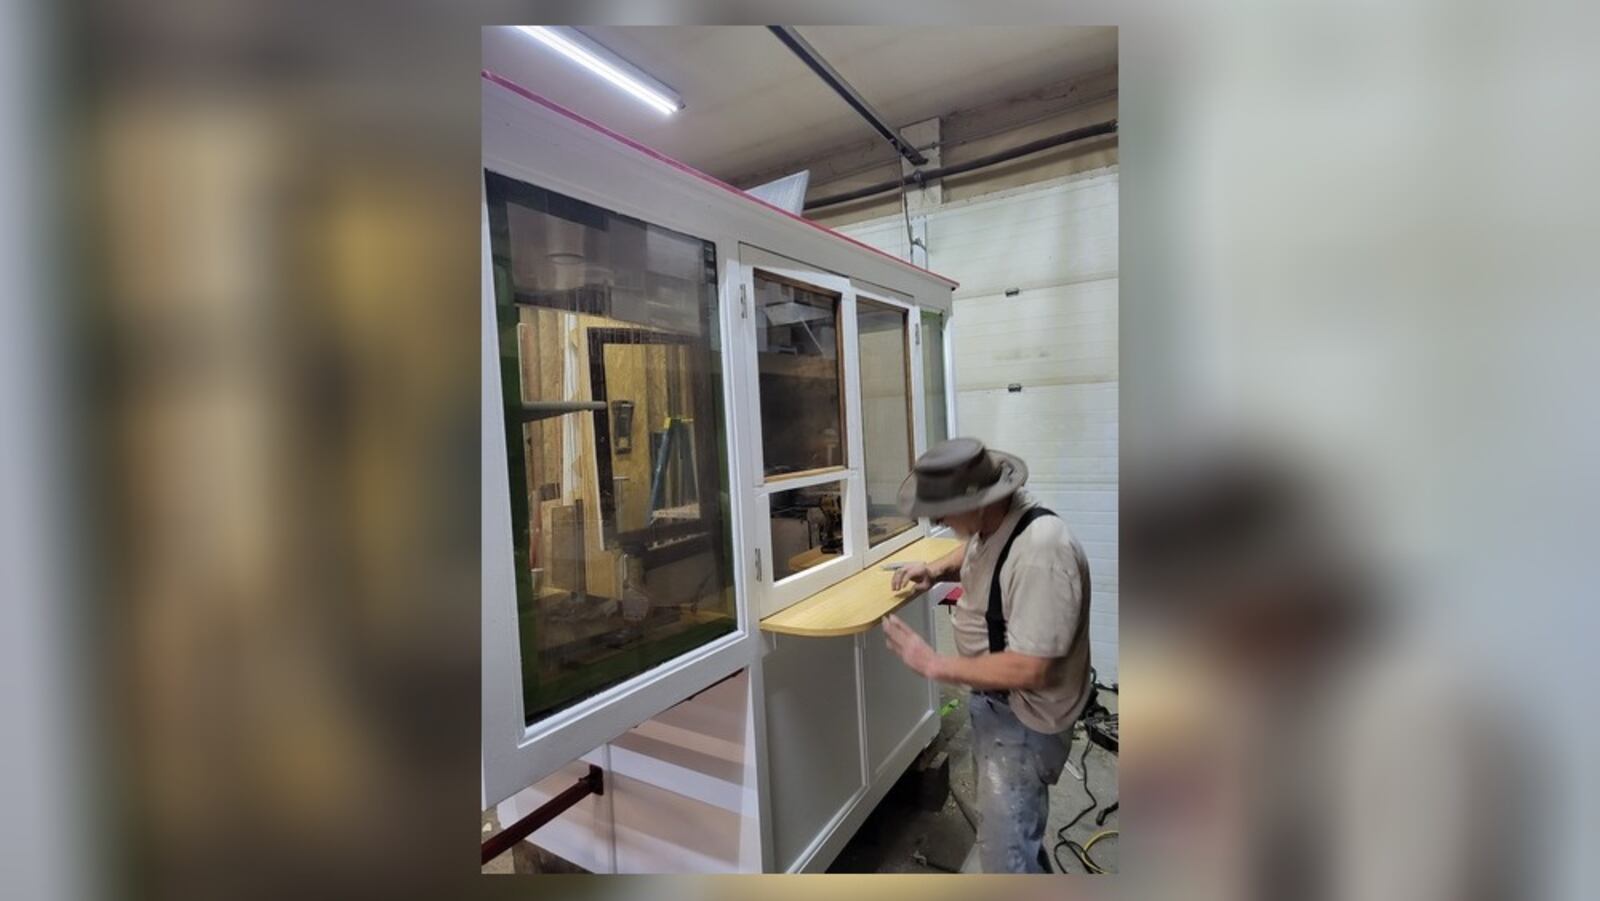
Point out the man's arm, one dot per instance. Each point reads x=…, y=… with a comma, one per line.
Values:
x=1006, y=670
x=948, y=567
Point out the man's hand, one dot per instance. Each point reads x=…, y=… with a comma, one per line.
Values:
x=910, y=646
x=1006, y=670
x=918, y=575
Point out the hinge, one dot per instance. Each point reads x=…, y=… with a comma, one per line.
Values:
x=744, y=303
x=758, y=565
x=916, y=334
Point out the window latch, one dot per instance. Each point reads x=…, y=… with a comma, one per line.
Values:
x=758, y=565
x=744, y=303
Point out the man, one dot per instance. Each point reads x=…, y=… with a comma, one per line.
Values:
x=1021, y=630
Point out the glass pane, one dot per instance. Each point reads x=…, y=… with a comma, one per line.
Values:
x=807, y=528
x=612, y=386
x=885, y=414
x=797, y=343
x=933, y=389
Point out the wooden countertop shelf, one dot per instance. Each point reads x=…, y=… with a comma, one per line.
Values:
x=857, y=603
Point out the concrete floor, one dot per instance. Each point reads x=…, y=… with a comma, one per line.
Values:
x=898, y=829
x=893, y=834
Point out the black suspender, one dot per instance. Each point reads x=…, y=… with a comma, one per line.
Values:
x=995, y=615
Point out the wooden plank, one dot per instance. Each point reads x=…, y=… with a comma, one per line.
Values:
x=805, y=474
x=857, y=603
x=564, y=568
x=528, y=359
x=809, y=558
x=602, y=577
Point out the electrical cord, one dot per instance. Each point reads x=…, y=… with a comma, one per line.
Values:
x=1093, y=709
x=905, y=212
x=1061, y=834
x=1083, y=767
x=1082, y=851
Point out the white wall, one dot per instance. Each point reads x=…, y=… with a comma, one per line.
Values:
x=1056, y=242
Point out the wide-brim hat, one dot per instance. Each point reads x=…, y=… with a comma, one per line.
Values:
x=960, y=475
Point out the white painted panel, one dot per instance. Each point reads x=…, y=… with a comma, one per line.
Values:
x=897, y=699
x=709, y=778
x=711, y=722
x=822, y=852
x=668, y=830
x=813, y=738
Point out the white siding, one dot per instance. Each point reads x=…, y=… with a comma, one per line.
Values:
x=1056, y=243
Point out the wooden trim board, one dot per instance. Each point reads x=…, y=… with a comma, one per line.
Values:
x=858, y=602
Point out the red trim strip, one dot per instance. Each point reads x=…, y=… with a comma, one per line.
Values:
x=684, y=167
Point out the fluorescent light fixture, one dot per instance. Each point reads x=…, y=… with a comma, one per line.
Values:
x=574, y=45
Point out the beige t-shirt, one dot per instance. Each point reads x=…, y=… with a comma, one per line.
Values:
x=1044, y=611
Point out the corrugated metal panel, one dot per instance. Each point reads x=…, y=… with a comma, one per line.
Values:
x=1055, y=235
x=1052, y=335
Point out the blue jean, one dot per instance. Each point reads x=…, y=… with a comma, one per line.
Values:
x=1015, y=768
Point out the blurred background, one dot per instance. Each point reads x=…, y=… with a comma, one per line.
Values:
x=238, y=541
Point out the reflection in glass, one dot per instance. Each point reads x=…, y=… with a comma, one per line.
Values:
x=807, y=528
x=612, y=386
x=933, y=389
x=797, y=343
x=885, y=414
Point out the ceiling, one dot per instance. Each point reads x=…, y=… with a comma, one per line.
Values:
x=750, y=104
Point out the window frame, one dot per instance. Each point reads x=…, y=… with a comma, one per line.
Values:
x=774, y=595
x=789, y=272
x=915, y=413
x=515, y=754
x=947, y=353
x=943, y=352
